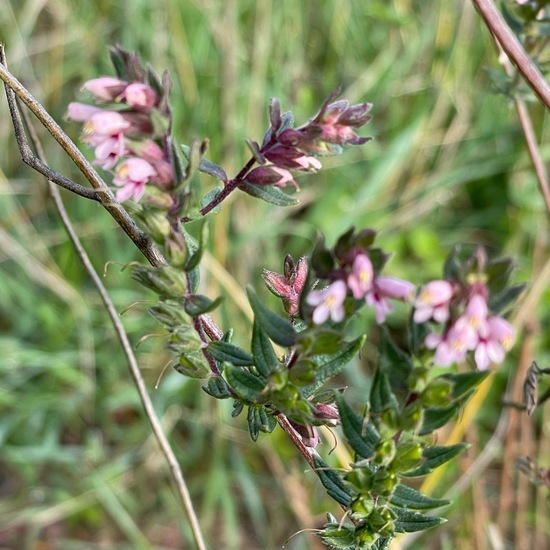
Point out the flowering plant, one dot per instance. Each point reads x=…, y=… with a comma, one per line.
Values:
x=287, y=376
x=408, y=400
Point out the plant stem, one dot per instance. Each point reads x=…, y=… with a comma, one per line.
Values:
x=513, y=48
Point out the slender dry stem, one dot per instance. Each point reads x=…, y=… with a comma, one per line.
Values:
x=513, y=48
x=530, y=138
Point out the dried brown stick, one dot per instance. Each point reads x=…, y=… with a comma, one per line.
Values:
x=513, y=48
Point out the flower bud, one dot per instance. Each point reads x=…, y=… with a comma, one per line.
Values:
x=270, y=175
x=438, y=393
x=105, y=88
x=140, y=96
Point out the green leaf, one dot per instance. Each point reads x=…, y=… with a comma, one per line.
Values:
x=253, y=423
x=217, y=387
x=381, y=397
x=344, y=243
x=269, y=193
x=362, y=438
x=195, y=248
x=319, y=340
x=410, y=522
x=276, y=327
x=198, y=304
x=338, y=537
x=417, y=335
x=212, y=169
x=119, y=63
x=407, y=497
x=329, y=365
x=224, y=351
x=498, y=272
x=193, y=154
x=466, y=381
x=436, y=456
x=193, y=364
x=194, y=278
x=322, y=262
x=209, y=197
x=245, y=384
x=259, y=420
x=394, y=363
x=265, y=358
x=435, y=417
x=332, y=482
x=500, y=301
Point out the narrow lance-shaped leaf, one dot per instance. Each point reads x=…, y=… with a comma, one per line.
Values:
x=435, y=417
x=362, y=437
x=245, y=384
x=198, y=304
x=464, y=382
x=224, y=351
x=381, y=396
x=275, y=326
x=407, y=497
x=436, y=456
x=217, y=387
x=269, y=193
x=265, y=358
x=410, y=522
x=394, y=363
x=332, y=482
x=328, y=366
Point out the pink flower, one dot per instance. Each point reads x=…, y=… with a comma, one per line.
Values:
x=105, y=88
x=131, y=176
x=329, y=302
x=383, y=289
x=146, y=149
x=103, y=125
x=360, y=278
x=80, y=112
x=493, y=345
x=109, y=151
x=165, y=173
x=453, y=346
x=475, y=314
x=433, y=302
x=308, y=162
x=308, y=434
x=140, y=96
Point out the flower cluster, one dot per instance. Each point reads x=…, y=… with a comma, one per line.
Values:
x=468, y=323
x=287, y=148
x=358, y=278
x=122, y=134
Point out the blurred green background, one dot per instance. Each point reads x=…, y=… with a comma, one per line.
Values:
x=447, y=165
